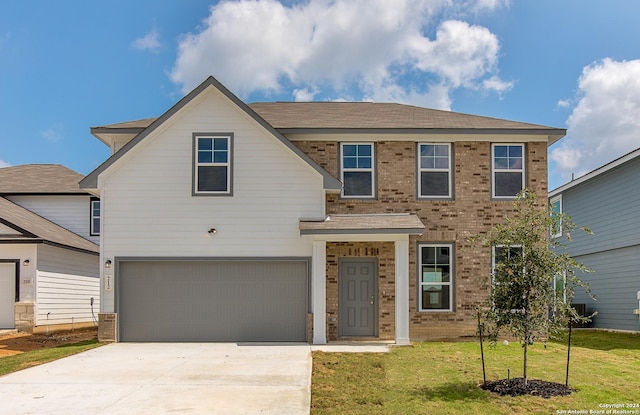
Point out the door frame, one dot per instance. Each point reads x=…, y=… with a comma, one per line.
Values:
x=374, y=262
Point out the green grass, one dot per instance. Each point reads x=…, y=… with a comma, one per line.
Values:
x=444, y=378
x=24, y=360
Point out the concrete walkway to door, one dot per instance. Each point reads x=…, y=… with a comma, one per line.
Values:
x=160, y=378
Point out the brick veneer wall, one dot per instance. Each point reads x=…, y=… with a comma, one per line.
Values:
x=452, y=221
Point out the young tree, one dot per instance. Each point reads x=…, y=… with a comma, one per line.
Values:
x=523, y=299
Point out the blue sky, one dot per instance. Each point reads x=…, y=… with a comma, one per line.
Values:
x=67, y=66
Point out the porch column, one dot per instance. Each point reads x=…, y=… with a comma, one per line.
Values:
x=402, y=291
x=319, y=292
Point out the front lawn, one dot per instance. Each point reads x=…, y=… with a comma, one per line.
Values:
x=444, y=378
x=31, y=358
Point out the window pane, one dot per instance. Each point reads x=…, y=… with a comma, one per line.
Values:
x=500, y=151
x=349, y=150
x=515, y=163
x=357, y=184
x=441, y=163
x=515, y=151
x=219, y=156
x=350, y=162
x=435, y=297
x=364, y=162
x=364, y=150
x=96, y=225
x=205, y=157
x=508, y=184
x=427, y=162
x=501, y=163
x=428, y=255
x=443, y=255
x=442, y=150
x=427, y=150
x=434, y=183
x=220, y=144
x=205, y=144
x=212, y=178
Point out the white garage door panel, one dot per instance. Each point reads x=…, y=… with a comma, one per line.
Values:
x=213, y=300
x=7, y=295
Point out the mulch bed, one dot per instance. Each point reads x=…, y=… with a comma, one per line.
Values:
x=515, y=387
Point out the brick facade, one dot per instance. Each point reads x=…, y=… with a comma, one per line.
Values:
x=470, y=212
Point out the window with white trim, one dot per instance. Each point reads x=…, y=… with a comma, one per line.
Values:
x=212, y=164
x=435, y=277
x=508, y=173
x=434, y=170
x=503, y=260
x=94, y=217
x=555, y=208
x=357, y=170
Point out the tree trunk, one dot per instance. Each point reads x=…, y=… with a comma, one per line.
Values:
x=526, y=346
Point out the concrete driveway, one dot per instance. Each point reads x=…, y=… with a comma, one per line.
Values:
x=160, y=378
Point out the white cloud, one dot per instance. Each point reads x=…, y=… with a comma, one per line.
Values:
x=4, y=164
x=54, y=133
x=604, y=124
x=563, y=103
x=355, y=49
x=149, y=42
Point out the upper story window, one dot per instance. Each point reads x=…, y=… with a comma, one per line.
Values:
x=212, y=164
x=357, y=170
x=434, y=170
x=556, y=209
x=95, y=217
x=507, y=165
x=435, y=279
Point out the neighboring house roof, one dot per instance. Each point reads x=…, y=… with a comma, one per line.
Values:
x=596, y=172
x=293, y=117
x=397, y=223
x=39, y=179
x=91, y=181
x=35, y=228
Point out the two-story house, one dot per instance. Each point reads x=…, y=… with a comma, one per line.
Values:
x=606, y=200
x=49, y=253
x=317, y=221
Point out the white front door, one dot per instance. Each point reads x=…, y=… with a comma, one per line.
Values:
x=7, y=295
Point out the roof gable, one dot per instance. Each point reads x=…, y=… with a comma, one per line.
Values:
x=91, y=181
x=40, y=179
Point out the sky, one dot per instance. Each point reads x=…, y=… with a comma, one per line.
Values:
x=66, y=66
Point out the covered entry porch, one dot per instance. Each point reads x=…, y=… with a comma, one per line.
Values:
x=360, y=276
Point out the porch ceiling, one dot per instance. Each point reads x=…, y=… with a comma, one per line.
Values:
x=364, y=224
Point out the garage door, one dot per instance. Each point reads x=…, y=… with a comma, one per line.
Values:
x=212, y=300
x=7, y=295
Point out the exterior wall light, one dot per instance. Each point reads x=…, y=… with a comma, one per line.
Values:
x=107, y=263
x=212, y=231
x=25, y=263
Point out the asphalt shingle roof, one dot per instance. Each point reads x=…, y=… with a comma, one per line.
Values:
x=39, y=178
x=360, y=115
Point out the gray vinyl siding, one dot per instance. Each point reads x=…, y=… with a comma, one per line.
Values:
x=66, y=261
x=608, y=204
x=615, y=282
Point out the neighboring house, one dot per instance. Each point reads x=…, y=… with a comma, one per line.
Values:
x=49, y=253
x=318, y=221
x=606, y=200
